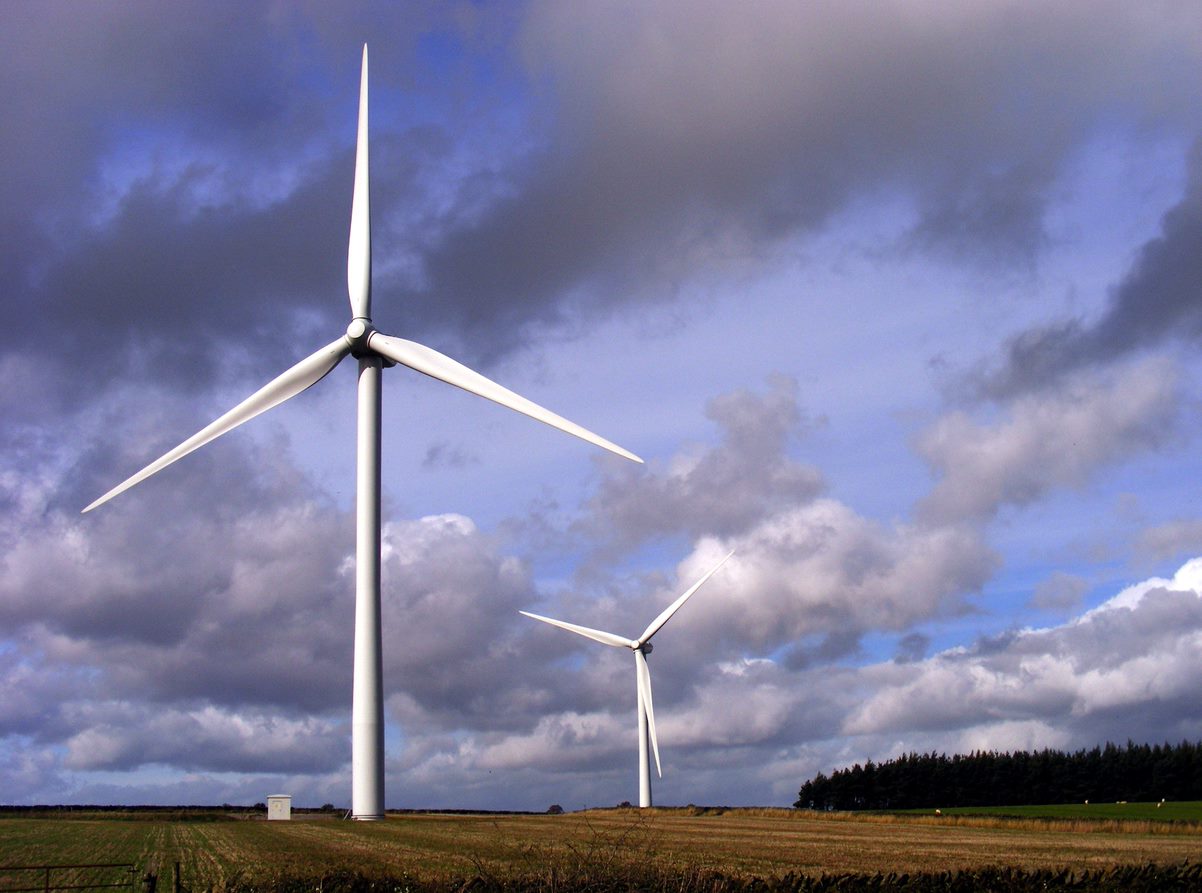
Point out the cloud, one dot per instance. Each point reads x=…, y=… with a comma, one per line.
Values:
x=761, y=707
x=809, y=571
x=174, y=226
x=207, y=195
x=1171, y=539
x=189, y=619
x=125, y=736
x=1059, y=592
x=1077, y=684
x=1127, y=663
x=1159, y=299
x=912, y=647
x=1051, y=439
x=450, y=600
x=719, y=491
x=1082, y=680
x=170, y=199
x=27, y=772
x=762, y=667
x=446, y=455
x=165, y=596
x=695, y=134
x=559, y=743
x=819, y=576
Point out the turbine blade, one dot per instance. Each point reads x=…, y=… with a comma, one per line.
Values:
x=358, y=261
x=594, y=634
x=644, y=674
x=437, y=365
x=659, y=621
x=307, y=372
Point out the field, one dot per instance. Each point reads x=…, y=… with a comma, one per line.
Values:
x=1166, y=812
x=217, y=853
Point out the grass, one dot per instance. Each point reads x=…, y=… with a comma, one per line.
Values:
x=602, y=843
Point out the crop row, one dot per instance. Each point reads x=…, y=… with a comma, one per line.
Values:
x=1125, y=879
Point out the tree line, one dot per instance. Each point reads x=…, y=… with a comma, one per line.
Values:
x=1135, y=772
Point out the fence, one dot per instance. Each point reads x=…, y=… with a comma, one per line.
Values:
x=44, y=878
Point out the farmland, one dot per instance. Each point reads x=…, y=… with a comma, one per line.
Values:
x=734, y=842
x=1119, y=812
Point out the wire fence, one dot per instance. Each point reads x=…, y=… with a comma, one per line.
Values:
x=89, y=876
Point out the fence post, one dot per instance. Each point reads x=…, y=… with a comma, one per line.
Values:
x=176, y=885
x=47, y=887
x=150, y=882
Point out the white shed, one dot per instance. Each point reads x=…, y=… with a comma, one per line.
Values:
x=279, y=807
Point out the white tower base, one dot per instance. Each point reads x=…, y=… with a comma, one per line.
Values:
x=367, y=711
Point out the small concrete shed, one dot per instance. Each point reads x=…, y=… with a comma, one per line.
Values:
x=279, y=807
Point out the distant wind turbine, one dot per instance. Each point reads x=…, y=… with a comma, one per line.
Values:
x=641, y=648
x=374, y=351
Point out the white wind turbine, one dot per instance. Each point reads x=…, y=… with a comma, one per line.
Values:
x=641, y=648
x=374, y=351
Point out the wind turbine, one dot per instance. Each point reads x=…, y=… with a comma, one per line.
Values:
x=641, y=648
x=374, y=350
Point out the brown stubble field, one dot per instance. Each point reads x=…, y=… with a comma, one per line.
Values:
x=734, y=842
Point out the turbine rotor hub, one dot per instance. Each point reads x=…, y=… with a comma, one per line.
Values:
x=357, y=334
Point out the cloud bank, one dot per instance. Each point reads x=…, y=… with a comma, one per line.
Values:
x=651, y=210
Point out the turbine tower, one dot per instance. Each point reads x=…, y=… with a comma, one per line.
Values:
x=641, y=648
x=374, y=350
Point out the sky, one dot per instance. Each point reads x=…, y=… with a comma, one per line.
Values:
x=900, y=301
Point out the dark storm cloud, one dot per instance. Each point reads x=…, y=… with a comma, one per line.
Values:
x=1159, y=299
x=34, y=694
x=638, y=162
x=673, y=155
x=169, y=287
x=176, y=189
x=84, y=80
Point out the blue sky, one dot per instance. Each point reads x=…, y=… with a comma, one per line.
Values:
x=900, y=303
